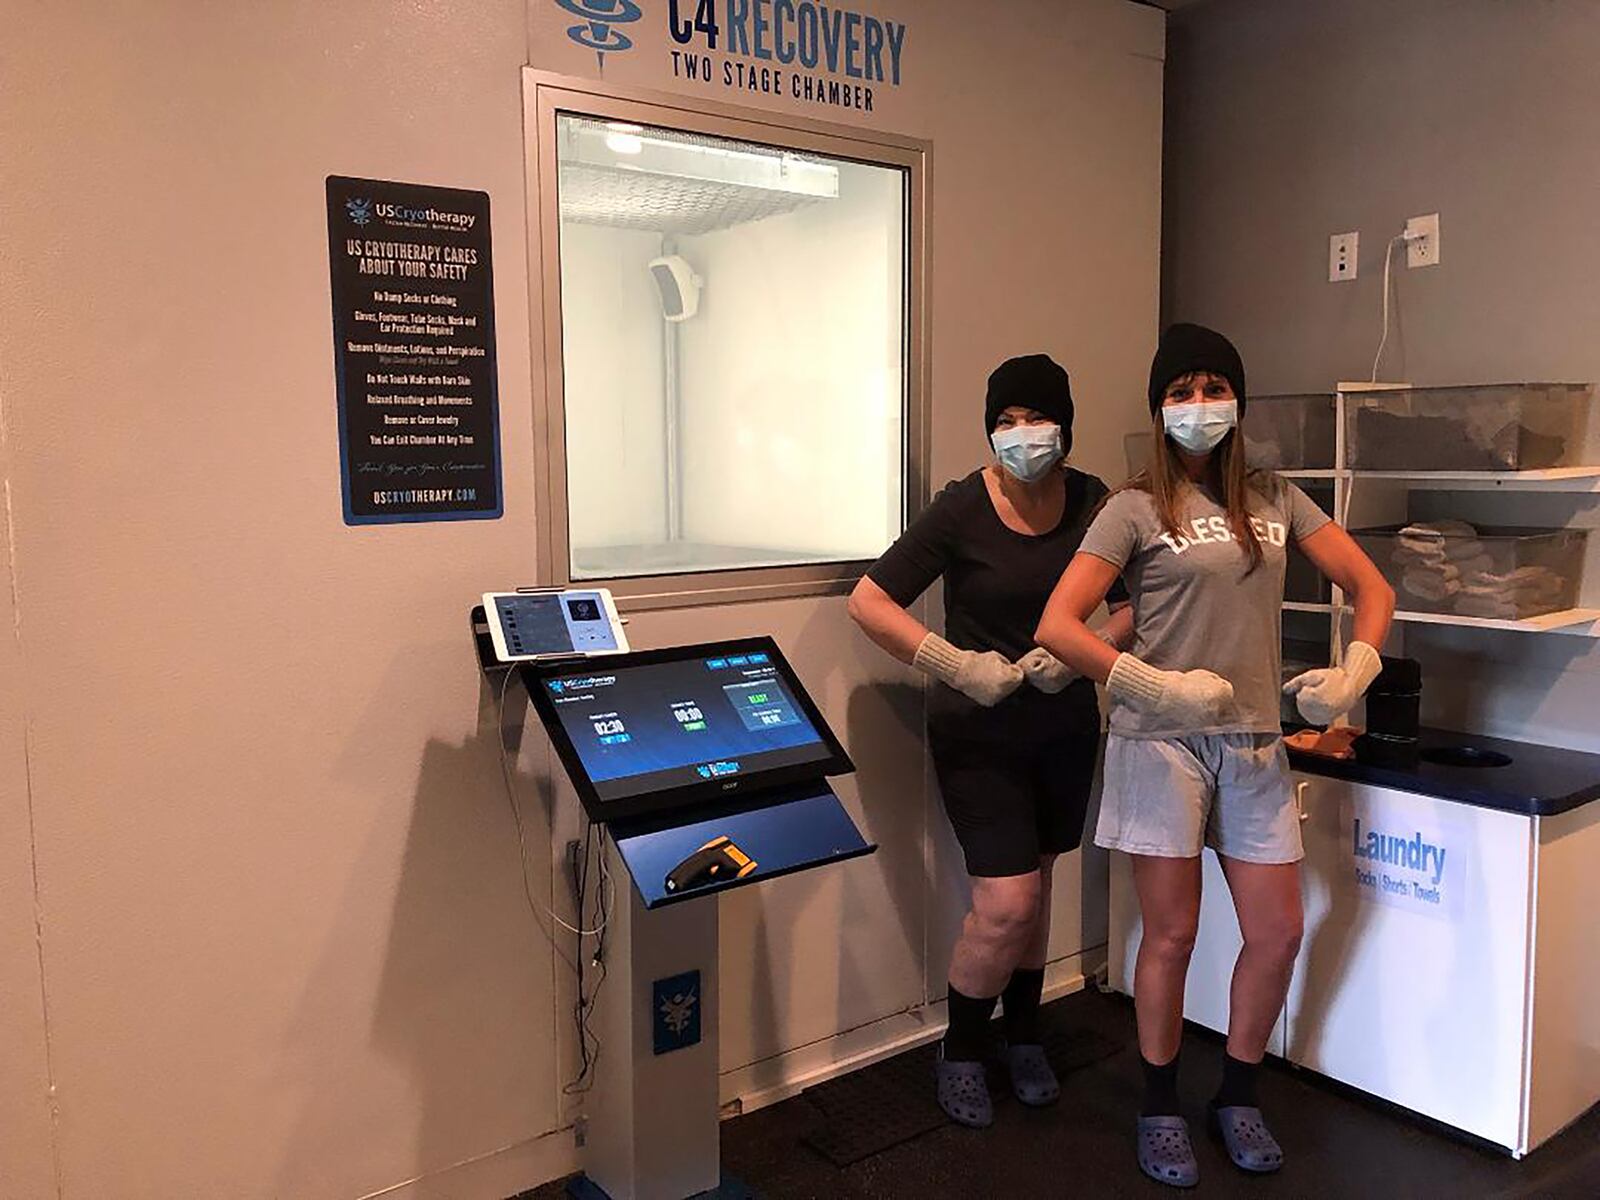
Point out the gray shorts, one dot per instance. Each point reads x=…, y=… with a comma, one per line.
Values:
x=1169, y=797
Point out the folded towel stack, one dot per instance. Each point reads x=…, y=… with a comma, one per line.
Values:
x=1431, y=557
x=1510, y=595
x=1447, y=567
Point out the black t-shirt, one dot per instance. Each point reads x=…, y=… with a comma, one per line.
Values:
x=996, y=583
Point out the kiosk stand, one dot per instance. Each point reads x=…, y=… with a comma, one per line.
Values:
x=708, y=766
x=652, y=1121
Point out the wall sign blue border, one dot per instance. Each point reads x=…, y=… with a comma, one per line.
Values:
x=414, y=352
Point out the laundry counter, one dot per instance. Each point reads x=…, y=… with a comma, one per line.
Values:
x=1450, y=962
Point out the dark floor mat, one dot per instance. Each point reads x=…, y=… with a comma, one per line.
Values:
x=875, y=1108
x=870, y=1110
x=1069, y=1049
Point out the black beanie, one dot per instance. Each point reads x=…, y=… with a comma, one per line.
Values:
x=1187, y=348
x=1033, y=381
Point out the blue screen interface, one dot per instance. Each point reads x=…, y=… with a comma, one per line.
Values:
x=554, y=624
x=654, y=726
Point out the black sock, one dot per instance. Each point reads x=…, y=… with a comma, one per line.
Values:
x=967, y=1039
x=1021, y=1002
x=1238, y=1083
x=1160, y=1088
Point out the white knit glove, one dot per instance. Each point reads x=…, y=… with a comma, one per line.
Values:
x=1045, y=671
x=1186, y=699
x=1326, y=694
x=987, y=677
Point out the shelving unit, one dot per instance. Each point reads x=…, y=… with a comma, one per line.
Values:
x=1581, y=622
x=1364, y=498
x=1576, y=480
x=1584, y=622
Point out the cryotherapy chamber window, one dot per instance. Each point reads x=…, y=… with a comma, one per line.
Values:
x=734, y=348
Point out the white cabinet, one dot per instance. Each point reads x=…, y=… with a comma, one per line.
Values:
x=1412, y=996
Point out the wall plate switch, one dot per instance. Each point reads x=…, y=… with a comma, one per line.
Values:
x=1342, y=249
x=1422, y=247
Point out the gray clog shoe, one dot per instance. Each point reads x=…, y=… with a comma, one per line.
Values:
x=1032, y=1080
x=964, y=1092
x=1165, y=1153
x=1248, y=1140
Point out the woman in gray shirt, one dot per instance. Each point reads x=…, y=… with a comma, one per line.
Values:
x=1195, y=754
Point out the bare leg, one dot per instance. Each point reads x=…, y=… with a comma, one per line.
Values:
x=1169, y=901
x=996, y=933
x=993, y=937
x=1266, y=897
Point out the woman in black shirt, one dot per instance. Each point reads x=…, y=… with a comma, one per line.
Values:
x=1012, y=731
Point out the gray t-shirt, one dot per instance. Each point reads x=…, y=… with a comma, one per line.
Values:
x=1194, y=605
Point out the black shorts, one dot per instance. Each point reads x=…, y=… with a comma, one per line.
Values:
x=1009, y=804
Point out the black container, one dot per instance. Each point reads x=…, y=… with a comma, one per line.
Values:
x=1375, y=750
x=1394, y=716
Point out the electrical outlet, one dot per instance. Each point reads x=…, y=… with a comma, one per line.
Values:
x=1422, y=246
x=1342, y=249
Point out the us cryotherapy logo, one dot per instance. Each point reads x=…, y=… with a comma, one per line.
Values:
x=360, y=210
x=597, y=31
x=675, y=1009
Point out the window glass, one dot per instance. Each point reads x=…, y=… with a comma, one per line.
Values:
x=733, y=352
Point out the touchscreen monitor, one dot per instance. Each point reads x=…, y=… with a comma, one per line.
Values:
x=654, y=729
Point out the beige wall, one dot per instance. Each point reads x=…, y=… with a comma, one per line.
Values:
x=285, y=949
x=26, y=1167
x=1290, y=122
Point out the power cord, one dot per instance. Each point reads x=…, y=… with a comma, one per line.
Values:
x=584, y=1003
x=522, y=845
x=605, y=897
x=1388, y=257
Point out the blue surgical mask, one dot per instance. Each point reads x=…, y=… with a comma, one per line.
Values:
x=1199, y=427
x=1027, y=451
